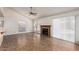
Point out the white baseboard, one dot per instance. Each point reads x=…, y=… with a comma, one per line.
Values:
x=16, y=33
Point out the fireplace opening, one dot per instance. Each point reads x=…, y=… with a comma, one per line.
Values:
x=45, y=30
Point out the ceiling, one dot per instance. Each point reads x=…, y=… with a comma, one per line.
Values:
x=43, y=11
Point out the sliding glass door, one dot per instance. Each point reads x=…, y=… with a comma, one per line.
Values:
x=77, y=29
x=64, y=28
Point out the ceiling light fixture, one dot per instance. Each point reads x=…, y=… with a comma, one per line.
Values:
x=31, y=12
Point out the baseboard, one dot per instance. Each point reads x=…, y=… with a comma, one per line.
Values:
x=17, y=33
x=63, y=40
x=36, y=32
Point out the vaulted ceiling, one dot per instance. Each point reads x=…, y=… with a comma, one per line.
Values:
x=42, y=11
x=45, y=11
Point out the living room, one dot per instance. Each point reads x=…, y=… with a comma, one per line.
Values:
x=39, y=28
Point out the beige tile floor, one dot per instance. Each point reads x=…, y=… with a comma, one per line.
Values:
x=35, y=42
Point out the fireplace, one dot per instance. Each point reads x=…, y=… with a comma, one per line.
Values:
x=45, y=30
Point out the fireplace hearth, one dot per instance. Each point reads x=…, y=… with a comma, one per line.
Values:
x=45, y=30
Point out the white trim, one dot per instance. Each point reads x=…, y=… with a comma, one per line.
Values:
x=16, y=33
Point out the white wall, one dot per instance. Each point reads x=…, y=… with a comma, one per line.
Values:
x=1, y=18
x=43, y=21
x=10, y=26
x=11, y=22
x=1, y=24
